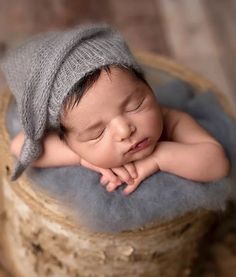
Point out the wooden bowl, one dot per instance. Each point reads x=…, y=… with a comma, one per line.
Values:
x=39, y=239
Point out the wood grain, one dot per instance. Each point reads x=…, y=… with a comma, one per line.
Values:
x=193, y=42
x=222, y=18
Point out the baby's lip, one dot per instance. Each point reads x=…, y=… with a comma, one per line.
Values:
x=135, y=144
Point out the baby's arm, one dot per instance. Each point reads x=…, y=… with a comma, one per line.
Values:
x=56, y=153
x=190, y=151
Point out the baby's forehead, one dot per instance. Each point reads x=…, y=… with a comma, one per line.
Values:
x=115, y=87
x=115, y=84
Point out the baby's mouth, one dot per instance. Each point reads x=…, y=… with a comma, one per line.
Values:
x=139, y=146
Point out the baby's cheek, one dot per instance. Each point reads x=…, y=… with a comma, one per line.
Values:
x=105, y=157
x=150, y=123
x=155, y=123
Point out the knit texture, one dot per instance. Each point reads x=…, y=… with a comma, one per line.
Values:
x=42, y=73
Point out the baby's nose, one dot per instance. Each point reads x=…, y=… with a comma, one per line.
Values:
x=122, y=128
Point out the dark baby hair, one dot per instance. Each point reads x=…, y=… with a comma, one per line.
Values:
x=82, y=86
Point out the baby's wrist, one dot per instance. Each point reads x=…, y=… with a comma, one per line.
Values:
x=160, y=154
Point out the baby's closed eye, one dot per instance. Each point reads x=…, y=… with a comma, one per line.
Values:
x=91, y=135
x=98, y=135
x=135, y=106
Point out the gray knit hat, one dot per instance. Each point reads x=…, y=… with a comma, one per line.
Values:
x=43, y=71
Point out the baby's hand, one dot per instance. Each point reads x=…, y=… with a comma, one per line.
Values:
x=144, y=168
x=132, y=173
x=107, y=174
x=125, y=174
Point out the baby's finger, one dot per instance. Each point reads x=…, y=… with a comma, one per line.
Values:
x=109, y=175
x=122, y=173
x=131, y=168
x=103, y=181
x=129, y=189
x=112, y=186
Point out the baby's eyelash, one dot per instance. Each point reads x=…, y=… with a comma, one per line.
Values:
x=98, y=135
x=137, y=106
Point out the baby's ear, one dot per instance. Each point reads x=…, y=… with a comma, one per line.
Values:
x=61, y=132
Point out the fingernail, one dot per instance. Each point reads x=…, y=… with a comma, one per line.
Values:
x=125, y=193
x=109, y=188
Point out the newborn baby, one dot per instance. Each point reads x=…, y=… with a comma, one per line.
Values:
x=118, y=125
x=110, y=121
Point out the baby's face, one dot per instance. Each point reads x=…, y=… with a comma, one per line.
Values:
x=117, y=112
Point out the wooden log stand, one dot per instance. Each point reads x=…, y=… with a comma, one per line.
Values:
x=39, y=239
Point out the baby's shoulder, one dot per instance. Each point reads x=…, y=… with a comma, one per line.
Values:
x=170, y=118
x=170, y=115
x=167, y=114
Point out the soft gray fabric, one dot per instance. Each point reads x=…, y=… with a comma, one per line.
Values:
x=43, y=71
x=162, y=195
